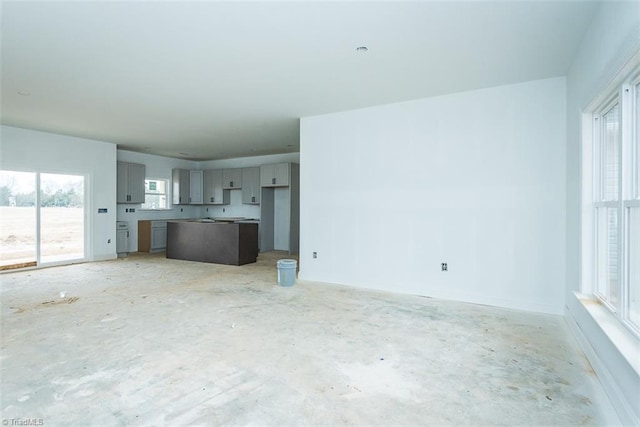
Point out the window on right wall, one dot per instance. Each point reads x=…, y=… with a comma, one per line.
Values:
x=615, y=210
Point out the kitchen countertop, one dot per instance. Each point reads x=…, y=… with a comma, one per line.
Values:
x=214, y=219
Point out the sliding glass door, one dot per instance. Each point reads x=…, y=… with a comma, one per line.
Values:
x=18, y=236
x=42, y=218
x=61, y=217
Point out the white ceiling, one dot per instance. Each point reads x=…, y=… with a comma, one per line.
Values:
x=231, y=79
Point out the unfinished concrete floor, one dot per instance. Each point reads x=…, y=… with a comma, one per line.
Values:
x=151, y=341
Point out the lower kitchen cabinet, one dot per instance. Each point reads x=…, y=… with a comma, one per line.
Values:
x=152, y=236
x=230, y=243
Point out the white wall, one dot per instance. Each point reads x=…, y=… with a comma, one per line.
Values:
x=33, y=151
x=612, y=38
x=474, y=179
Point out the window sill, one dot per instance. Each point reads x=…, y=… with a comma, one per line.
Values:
x=624, y=340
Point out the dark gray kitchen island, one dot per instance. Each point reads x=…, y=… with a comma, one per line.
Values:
x=231, y=243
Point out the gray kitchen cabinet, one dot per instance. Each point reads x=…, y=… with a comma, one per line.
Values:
x=180, y=179
x=130, y=183
x=152, y=235
x=122, y=238
x=280, y=214
x=213, y=193
x=195, y=187
x=232, y=179
x=251, y=186
x=158, y=236
x=275, y=175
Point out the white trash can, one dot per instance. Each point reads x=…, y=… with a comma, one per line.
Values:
x=287, y=272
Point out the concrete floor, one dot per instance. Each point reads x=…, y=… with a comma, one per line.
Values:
x=150, y=341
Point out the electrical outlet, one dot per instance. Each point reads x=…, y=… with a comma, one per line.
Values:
x=132, y=210
x=315, y=255
x=126, y=210
x=223, y=210
x=444, y=266
x=180, y=209
x=109, y=241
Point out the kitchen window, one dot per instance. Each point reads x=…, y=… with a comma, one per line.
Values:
x=615, y=207
x=156, y=196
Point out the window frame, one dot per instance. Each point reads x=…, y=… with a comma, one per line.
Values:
x=625, y=95
x=167, y=194
x=630, y=197
x=600, y=202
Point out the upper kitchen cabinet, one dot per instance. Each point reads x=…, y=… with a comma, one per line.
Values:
x=214, y=194
x=276, y=175
x=195, y=187
x=130, y=183
x=251, y=186
x=180, y=179
x=231, y=179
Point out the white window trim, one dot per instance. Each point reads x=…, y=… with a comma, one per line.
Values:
x=621, y=91
x=168, y=194
x=599, y=192
x=599, y=197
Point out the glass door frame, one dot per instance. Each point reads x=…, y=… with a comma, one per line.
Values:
x=86, y=225
x=85, y=222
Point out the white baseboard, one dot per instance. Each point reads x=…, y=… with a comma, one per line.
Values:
x=452, y=295
x=616, y=396
x=107, y=257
